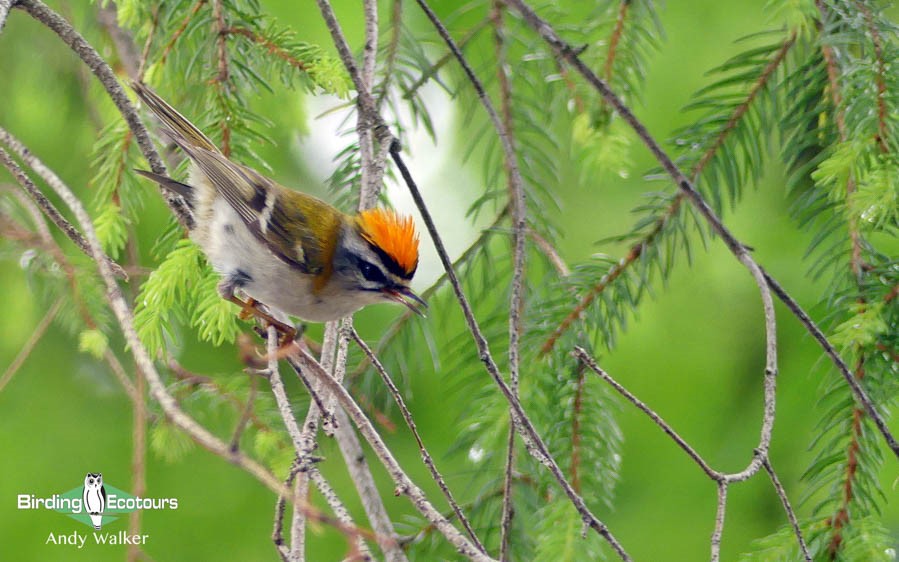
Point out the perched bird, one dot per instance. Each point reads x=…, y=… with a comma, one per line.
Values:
x=94, y=498
x=286, y=249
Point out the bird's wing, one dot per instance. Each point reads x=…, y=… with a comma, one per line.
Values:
x=255, y=198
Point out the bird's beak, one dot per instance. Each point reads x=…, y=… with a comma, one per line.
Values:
x=405, y=296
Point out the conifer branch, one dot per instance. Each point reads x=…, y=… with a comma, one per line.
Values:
x=565, y=51
x=171, y=409
x=880, y=81
x=410, y=423
x=179, y=31
x=39, y=11
x=269, y=46
x=441, y=62
x=535, y=445
x=673, y=208
x=615, y=38
x=505, y=130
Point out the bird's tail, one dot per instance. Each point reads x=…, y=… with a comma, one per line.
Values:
x=184, y=133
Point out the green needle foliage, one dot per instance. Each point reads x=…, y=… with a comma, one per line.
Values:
x=815, y=98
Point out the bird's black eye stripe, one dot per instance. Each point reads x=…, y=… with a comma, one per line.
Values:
x=371, y=272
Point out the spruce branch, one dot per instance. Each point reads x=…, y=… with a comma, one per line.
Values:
x=144, y=363
x=652, y=235
x=535, y=445
x=39, y=11
x=179, y=31
x=615, y=38
x=570, y=55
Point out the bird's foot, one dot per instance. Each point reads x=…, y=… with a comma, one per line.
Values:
x=251, y=308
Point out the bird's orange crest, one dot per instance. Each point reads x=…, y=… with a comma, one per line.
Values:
x=392, y=234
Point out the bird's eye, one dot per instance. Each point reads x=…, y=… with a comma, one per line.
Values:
x=371, y=272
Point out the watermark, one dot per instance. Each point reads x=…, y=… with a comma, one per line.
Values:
x=95, y=504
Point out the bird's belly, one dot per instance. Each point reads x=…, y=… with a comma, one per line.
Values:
x=234, y=251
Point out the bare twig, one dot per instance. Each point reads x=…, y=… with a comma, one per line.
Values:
x=570, y=55
x=719, y=521
x=410, y=422
x=588, y=360
x=535, y=445
x=303, y=361
x=36, y=334
x=791, y=515
x=107, y=78
x=122, y=376
x=300, y=440
x=831, y=352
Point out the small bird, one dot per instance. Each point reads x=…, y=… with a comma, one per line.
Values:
x=94, y=498
x=286, y=249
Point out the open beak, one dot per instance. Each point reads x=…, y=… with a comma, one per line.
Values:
x=405, y=296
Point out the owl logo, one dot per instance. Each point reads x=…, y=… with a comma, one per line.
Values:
x=94, y=497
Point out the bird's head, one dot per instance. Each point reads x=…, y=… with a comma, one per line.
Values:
x=376, y=258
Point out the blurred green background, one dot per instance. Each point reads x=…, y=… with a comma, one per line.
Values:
x=694, y=353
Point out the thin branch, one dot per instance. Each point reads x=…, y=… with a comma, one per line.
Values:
x=652, y=235
x=791, y=515
x=36, y=335
x=246, y=415
x=551, y=253
x=432, y=71
x=302, y=361
x=180, y=31
x=535, y=445
x=587, y=360
x=270, y=46
x=410, y=423
x=880, y=80
x=831, y=352
x=144, y=363
x=519, y=219
x=107, y=78
x=396, y=29
x=617, y=32
x=739, y=250
x=138, y=459
x=122, y=376
x=719, y=521
x=41, y=200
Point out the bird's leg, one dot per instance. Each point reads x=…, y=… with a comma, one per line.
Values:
x=226, y=289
